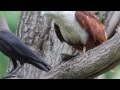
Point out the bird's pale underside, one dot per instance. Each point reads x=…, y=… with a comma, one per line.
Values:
x=78, y=28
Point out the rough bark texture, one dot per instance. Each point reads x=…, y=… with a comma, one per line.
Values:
x=38, y=33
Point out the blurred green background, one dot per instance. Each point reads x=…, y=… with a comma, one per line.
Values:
x=13, y=18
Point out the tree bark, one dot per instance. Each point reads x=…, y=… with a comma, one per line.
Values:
x=38, y=33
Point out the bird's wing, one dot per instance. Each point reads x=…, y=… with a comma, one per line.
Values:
x=23, y=53
x=58, y=33
x=15, y=46
x=92, y=24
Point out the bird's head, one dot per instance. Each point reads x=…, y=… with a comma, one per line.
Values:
x=3, y=24
x=50, y=13
x=57, y=13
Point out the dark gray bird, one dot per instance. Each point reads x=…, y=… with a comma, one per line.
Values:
x=17, y=51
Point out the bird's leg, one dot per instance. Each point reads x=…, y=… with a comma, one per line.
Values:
x=13, y=72
x=84, y=49
x=68, y=55
x=14, y=62
x=113, y=70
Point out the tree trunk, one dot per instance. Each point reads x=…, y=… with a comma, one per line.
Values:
x=38, y=33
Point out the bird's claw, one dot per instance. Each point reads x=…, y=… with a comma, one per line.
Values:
x=67, y=57
x=11, y=76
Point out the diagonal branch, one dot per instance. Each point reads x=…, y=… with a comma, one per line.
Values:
x=39, y=35
x=94, y=62
x=112, y=22
x=91, y=64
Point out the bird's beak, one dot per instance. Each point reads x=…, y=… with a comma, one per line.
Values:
x=42, y=13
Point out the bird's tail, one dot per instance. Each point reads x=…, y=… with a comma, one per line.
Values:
x=41, y=65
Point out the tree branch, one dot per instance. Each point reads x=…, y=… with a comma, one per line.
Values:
x=38, y=33
x=112, y=22
x=91, y=64
x=96, y=61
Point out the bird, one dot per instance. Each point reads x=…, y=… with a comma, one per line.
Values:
x=82, y=30
x=18, y=52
